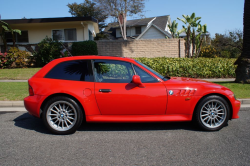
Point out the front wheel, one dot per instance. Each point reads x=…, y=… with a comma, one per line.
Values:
x=62, y=115
x=212, y=113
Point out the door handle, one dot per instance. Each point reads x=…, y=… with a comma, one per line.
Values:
x=105, y=90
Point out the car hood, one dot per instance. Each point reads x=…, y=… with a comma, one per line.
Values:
x=188, y=80
x=199, y=85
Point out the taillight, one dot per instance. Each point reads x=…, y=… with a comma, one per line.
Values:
x=31, y=92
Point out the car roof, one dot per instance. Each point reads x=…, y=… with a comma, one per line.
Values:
x=54, y=62
x=92, y=57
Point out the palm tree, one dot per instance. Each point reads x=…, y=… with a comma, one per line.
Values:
x=243, y=69
x=5, y=27
x=191, y=22
x=173, y=29
x=202, y=29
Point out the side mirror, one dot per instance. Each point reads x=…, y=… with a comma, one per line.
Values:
x=137, y=80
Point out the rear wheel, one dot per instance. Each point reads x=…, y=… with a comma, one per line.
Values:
x=62, y=115
x=212, y=113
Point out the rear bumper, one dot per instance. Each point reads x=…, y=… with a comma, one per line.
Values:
x=33, y=104
x=236, y=108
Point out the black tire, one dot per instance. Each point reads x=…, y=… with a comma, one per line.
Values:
x=212, y=113
x=62, y=115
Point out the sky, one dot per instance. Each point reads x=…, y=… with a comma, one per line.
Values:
x=219, y=15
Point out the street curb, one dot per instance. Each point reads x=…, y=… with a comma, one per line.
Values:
x=13, y=80
x=11, y=104
x=244, y=101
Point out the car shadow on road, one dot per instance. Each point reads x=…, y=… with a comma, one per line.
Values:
x=138, y=126
x=29, y=122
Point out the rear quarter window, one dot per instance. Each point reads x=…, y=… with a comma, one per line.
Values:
x=79, y=70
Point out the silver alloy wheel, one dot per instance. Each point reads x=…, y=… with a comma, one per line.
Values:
x=213, y=113
x=61, y=115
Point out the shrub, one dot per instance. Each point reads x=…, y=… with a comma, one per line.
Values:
x=208, y=51
x=48, y=50
x=5, y=60
x=84, y=48
x=192, y=67
x=20, y=58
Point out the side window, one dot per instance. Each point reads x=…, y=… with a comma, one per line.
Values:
x=111, y=71
x=80, y=70
x=145, y=77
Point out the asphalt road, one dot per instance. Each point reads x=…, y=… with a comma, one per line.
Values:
x=25, y=141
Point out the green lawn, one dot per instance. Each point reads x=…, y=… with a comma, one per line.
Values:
x=14, y=91
x=241, y=91
x=17, y=74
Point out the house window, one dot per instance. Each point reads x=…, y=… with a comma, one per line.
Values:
x=137, y=30
x=57, y=34
x=9, y=38
x=64, y=34
x=90, y=35
x=23, y=38
x=70, y=34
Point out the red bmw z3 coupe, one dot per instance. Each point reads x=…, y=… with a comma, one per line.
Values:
x=68, y=91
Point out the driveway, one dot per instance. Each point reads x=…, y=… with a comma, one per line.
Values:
x=25, y=141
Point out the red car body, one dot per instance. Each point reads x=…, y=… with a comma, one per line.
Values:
x=172, y=100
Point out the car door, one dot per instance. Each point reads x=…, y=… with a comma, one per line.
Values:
x=116, y=94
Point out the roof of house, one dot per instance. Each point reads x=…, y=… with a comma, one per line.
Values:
x=48, y=20
x=183, y=34
x=160, y=22
x=153, y=25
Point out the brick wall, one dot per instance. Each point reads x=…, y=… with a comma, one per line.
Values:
x=142, y=48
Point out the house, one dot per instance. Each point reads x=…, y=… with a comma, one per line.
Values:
x=145, y=28
x=64, y=29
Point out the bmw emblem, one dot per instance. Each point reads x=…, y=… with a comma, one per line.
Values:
x=171, y=92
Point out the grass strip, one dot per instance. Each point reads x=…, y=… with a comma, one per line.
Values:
x=242, y=91
x=13, y=91
x=17, y=74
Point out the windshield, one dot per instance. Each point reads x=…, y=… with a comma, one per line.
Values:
x=157, y=74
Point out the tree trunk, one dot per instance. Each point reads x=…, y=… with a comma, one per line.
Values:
x=199, y=48
x=188, y=42
x=243, y=69
x=120, y=20
x=13, y=38
x=124, y=27
x=193, y=42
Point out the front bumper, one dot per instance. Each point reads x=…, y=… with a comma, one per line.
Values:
x=236, y=108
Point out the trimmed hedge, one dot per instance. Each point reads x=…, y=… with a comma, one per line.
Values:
x=192, y=67
x=84, y=48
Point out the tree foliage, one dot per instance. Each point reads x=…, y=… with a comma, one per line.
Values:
x=191, y=23
x=195, y=34
x=4, y=28
x=120, y=9
x=228, y=45
x=173, y=29
x=199, y=39
x=48, y=50
x=86, y=9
